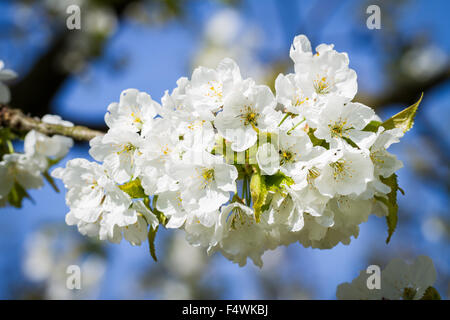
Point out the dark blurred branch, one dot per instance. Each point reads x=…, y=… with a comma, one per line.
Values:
x=20, y=123
x=405, y=94
x=36, y=90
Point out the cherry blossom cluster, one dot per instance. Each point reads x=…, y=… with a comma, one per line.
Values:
x=20, y=171
x=240, y=169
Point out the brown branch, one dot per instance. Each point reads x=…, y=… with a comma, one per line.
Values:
x=405, y=94
x=36, y=89
x=20, y=123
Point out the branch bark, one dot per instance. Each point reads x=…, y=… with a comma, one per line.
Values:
x=20, y=123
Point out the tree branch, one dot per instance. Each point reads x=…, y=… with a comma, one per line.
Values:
x=406, y=93
x=35, y=91
x=20, y=123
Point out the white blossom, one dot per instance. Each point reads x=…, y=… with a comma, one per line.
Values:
x=132, y=112
x=42, y=147
x=242, y=236
x=119, y=149
x=326, y=72
x=249, y=108
x=206, y=184
x=340, y=120
x=347, y=171
x=99, y=208
x=399, y=281
x=385, y=163
x=16, y=168
x=208, y=88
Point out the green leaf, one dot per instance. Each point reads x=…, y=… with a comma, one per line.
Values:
x=431, y=294
x=404, y=119
x=133, y=189
x=6, y=137
x=372, y=126
x=151, y=242
x=391, y=203
x=17, y=194
x=258, y=191
x=7, y=134
x=50, y=181
x=316, y=141
x=277, y=182
x=350, y=142
x=266, y=206
x=260, y=185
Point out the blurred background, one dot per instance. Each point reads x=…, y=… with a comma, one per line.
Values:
x=148, y=45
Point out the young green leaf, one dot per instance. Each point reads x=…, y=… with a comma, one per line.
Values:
x=134, y=189
x=431, y=294
x=372, y=126
x=391, y=204
x=316, y=141
x=258, y=191
x=404, y=119
x=51, y=181
x=350, y=142
x=17, y=194
x=151, y=242
x=6, y=137
x=277, y=182
x=260, y=185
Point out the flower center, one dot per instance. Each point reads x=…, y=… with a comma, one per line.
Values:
x=127, y=148
x=313, y=173
x=94, y=184
x=249, y=116
x=136, y=118
x=338, y=129
x=286, y=157
x=165, y=150
x=215, y=90
x=340, y=170
x=208, y=176
x=377, y=158
x=239, y=219
x=321, y=85
x=298, y=100
x=196, y=124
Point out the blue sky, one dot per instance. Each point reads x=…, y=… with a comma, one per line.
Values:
x=157, y=57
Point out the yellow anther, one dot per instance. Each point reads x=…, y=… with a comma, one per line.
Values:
x=321, y=86
x=340, y=169
x=127, y=148
x=136, y=118
x=165, y=150
x=338, y=128
x=208, y=176
x=249, y=116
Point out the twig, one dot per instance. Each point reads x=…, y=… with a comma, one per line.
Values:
x=20, y=123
